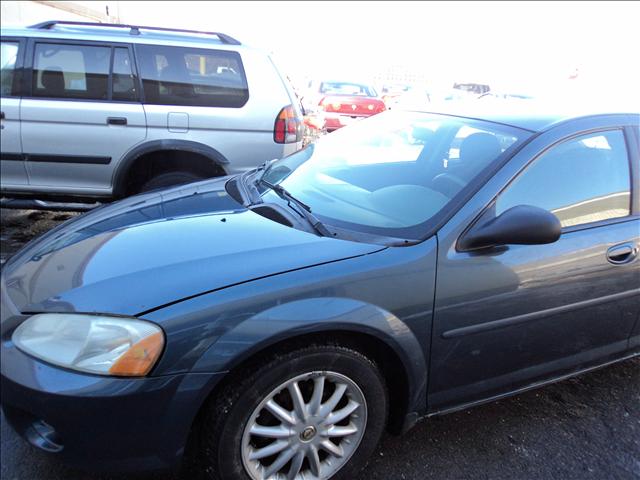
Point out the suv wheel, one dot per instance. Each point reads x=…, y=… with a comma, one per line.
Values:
x=169, y=179
x=315, y=413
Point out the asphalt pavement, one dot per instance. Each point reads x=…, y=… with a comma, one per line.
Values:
x=587, y=427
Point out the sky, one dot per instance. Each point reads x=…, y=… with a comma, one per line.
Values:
x=515, y=47
x=523, y=45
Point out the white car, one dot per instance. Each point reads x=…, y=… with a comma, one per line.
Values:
x=101, y=111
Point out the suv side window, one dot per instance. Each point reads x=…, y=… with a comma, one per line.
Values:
x=582, y=180
x=71, y=71
x=8, y=58
x=193, y=77
x=124, y=82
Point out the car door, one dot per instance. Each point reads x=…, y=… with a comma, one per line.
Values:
x=81, y=116
x=634, y=339
x=509, y=317
x=14, y=173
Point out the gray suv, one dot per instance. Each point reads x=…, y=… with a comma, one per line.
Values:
x=102, y=111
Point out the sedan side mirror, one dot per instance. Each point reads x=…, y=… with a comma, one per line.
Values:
x=520, y=225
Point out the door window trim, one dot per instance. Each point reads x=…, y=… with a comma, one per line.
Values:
x=633, y=151
x=30, y=59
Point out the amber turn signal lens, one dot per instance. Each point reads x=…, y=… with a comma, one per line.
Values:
x=140, y=358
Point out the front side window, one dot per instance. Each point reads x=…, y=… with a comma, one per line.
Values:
x=71, y=71
x=391, y=173
x=193, y=77
x=8, y=57
x=582, y=180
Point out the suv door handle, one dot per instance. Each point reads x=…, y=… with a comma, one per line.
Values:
x=1, y=115
x=621, y=254
x=116, y=121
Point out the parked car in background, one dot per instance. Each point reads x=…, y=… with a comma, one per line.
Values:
x=334, y=104
x=392, y=91
x=420, y=98
x=100, y=111
x=476, y=88
x=505, y=95
x=273, y=324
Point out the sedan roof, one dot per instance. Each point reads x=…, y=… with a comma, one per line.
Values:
x=529, y=115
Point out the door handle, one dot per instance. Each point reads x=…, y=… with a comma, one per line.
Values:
x=116, y=121
x=621, y=254
x=1, y=115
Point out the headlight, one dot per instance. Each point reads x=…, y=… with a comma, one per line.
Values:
x=93, y=344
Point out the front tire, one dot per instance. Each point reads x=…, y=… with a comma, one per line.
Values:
x=314, y=413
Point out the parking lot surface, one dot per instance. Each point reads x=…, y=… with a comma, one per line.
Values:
x=583, y=428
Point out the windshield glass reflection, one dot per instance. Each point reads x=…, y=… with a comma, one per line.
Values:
x=392, y=172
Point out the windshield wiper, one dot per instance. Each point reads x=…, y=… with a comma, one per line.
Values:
x=305, y=211
x=248, y=182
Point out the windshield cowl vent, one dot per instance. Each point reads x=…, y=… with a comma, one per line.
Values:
x=271, y=214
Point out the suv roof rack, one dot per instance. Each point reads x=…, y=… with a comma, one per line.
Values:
x=134, y=29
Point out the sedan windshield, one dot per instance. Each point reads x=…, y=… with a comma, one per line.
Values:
x=393, y=173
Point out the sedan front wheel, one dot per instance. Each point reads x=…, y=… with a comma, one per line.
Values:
x=314, y=414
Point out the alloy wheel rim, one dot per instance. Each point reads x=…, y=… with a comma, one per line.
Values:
x=307, y=428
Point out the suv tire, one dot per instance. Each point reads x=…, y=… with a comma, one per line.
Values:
x=169, y=179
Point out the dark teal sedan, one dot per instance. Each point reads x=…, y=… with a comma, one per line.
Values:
x=272, y=325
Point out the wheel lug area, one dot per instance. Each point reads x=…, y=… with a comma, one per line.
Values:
x=308, y=433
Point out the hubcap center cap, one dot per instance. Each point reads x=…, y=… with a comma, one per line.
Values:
x=308, y=433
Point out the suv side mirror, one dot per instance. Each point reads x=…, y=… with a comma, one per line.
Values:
x=520, y=225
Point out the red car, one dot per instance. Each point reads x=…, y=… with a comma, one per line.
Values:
x=331, y=105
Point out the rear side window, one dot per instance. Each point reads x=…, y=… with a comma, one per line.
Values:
x=71, y=71
x=582, y=180
x=193, y=77
x=8, y=58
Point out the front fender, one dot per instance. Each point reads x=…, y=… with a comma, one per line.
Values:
x=315, y=316
x=387, y=294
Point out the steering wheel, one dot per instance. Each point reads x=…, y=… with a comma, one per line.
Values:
x=448, y=184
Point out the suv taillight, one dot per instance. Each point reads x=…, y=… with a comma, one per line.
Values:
x=288, y=126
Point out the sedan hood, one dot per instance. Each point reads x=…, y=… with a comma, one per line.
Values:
x=155, y=249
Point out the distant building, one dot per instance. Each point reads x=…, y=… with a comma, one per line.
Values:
x=409, y=75
x=30, y=12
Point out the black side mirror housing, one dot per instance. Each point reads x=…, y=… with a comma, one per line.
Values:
x=520, y=225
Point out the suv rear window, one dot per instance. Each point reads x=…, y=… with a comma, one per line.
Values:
x=193, y=77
